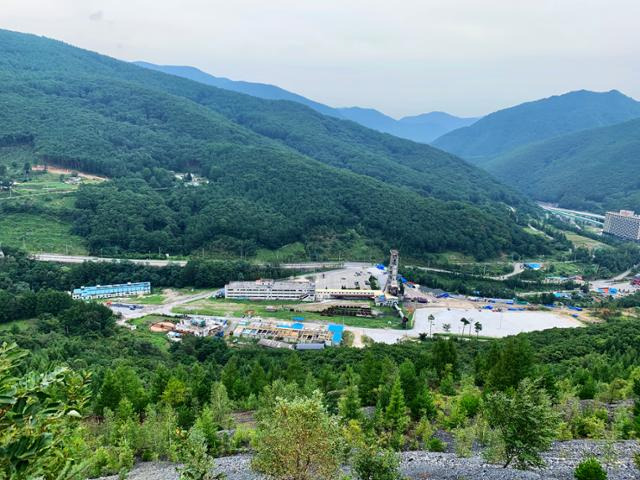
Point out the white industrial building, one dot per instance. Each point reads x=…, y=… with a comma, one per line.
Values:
x=378, y=296
x=111, y=291
x=270, y=290
x=624, y=224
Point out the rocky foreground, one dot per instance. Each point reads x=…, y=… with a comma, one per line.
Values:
x=561, y=462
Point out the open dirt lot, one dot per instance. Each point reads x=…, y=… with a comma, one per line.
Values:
x=66, y=171
x=494, y=324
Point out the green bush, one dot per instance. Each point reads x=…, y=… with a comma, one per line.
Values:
x=373, y=464
x=436, y=445
x=590, y=469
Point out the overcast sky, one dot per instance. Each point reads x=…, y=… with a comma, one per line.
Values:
x=467, y=57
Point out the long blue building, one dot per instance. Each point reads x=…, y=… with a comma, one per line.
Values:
x=111, y=291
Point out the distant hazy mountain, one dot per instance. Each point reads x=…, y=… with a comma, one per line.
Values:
x=591, y=169
x=513, y=127
x=421, y=128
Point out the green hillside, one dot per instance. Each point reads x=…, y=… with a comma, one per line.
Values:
x=594, y=169
x=543, y=119
x=278, y=172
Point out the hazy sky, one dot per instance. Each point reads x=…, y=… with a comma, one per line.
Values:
x=467, y=57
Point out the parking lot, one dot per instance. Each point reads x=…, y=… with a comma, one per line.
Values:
x=352, y=276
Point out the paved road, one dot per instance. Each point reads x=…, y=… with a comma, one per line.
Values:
x=60, y=258
x=567, y=210
x=54, y=257
x=517, y=268
x=164, y=309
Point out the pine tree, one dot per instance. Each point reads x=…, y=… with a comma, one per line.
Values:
x=349, y=404
x=370, y=372
x=396, y=418
x=525, y=421
x=425, y=404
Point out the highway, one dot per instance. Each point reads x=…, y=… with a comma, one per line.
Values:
x=575, y=214
x=60, y=258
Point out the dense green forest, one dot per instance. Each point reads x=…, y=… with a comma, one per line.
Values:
x=539, y=120
x=277, y=172
x=590, y=170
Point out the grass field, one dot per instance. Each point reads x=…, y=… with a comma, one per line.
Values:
x=153, y=299
x=580, y=241
x=158, y=339
x=39, y=233
x=565, y=269
x=240, y=308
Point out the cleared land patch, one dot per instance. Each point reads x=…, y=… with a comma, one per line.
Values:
x=286, y=311
x=38, y=233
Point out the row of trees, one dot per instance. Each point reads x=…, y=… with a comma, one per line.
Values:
x=18, y=273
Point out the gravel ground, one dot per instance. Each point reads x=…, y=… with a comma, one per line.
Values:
x=561, y=462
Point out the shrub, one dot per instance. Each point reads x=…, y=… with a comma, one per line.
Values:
x=373, y=464
x=464, y=438
x=590, y=469
x=242, y=438
x=436, y=445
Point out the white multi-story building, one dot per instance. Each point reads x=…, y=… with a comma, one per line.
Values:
x=111, y=291
x=624, y=224
x=270, y=290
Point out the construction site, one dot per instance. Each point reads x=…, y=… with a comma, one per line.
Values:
x=299, y=336
x=198, y=326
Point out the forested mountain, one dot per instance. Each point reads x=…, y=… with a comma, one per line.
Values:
x=421, y=128
x=593, y=169
x=543, y=119
x=278, y=172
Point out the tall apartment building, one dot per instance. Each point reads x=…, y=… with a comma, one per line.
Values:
x=270, y=290
x=623, y=224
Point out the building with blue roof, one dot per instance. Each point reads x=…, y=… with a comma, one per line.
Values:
x=111, y=291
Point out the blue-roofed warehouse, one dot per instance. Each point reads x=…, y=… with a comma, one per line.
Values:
x=111, y=291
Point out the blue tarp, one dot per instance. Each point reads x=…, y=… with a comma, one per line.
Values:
x=337, y=333
x=298, y=319
x=443, y=295
x=577, y=309
x=294, y=326
x=487, y=307
x=380, y=266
